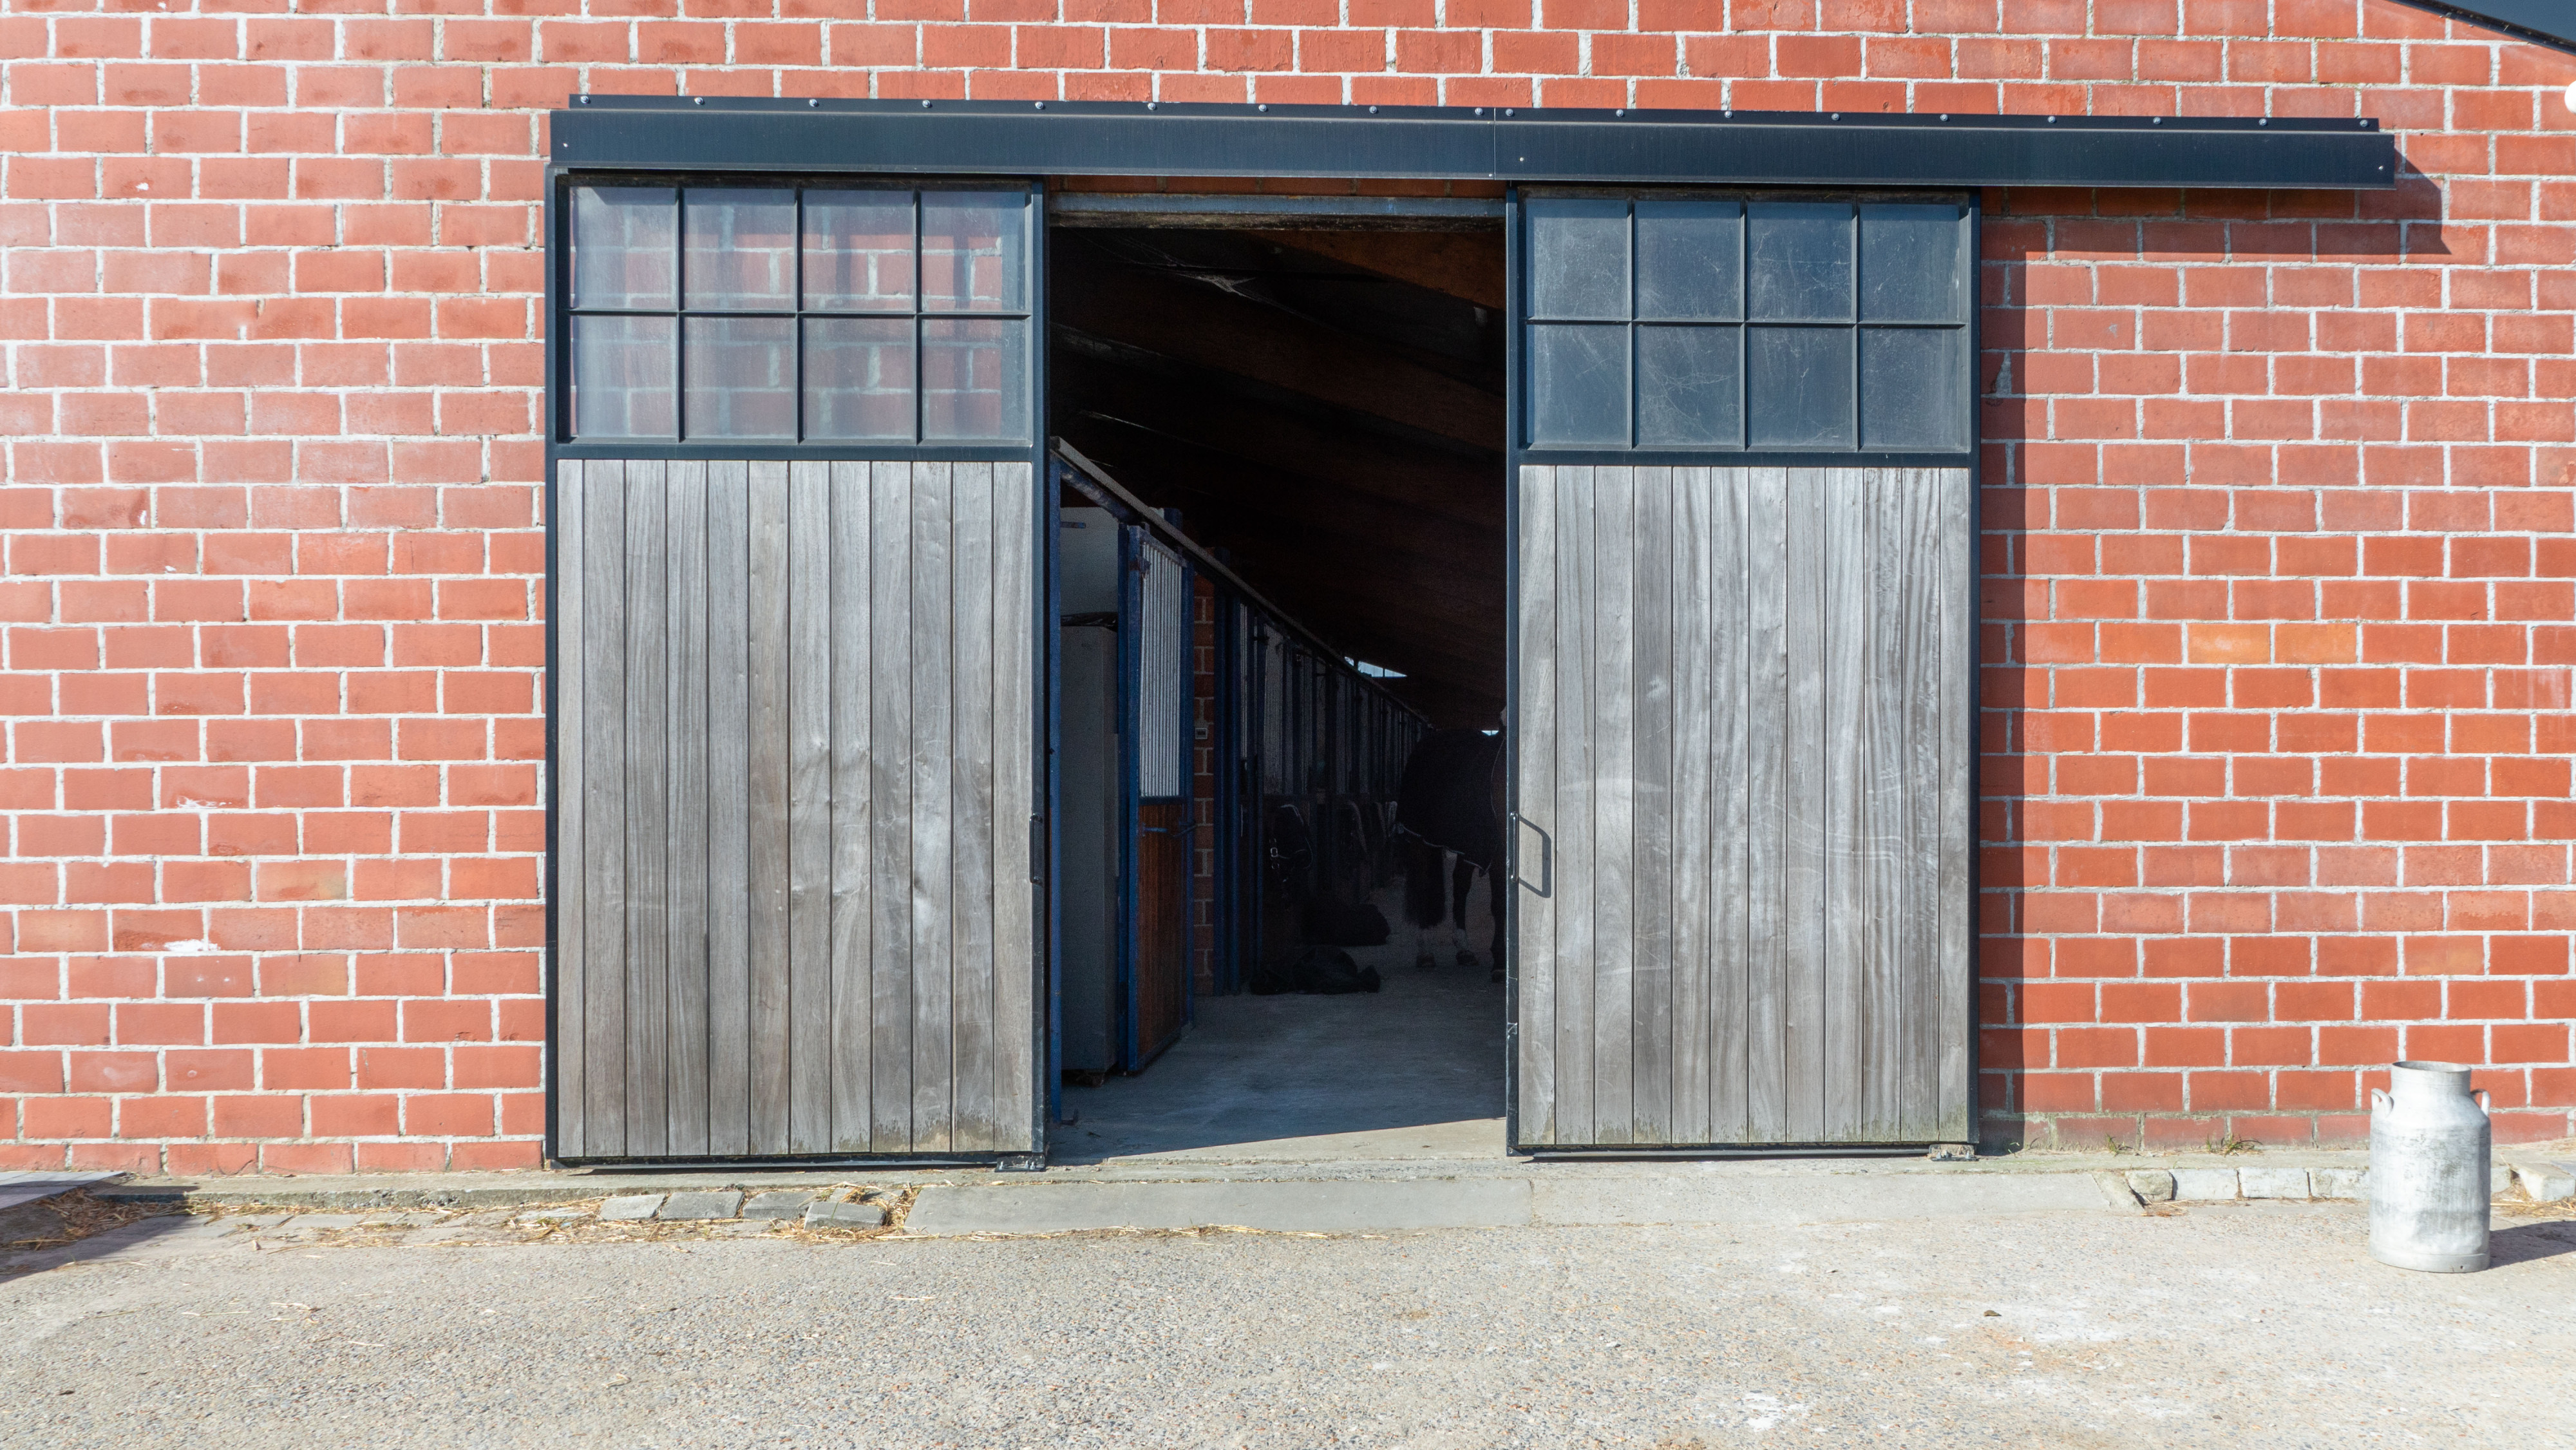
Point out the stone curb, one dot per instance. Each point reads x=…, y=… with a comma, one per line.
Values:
x=764, y=1194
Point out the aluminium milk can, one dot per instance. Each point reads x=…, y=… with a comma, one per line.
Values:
x=2431, y=1167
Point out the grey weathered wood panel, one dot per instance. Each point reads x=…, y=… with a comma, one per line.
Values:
x=1742, y=758
x=766, y=794
x=601, y=869
x=729, y=1040
x=565, y=618
x=795, y=773
x=684, y=574
x=809, y=807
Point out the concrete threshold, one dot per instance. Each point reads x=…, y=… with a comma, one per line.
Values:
x=1396, y=1195
x=1533, y=1200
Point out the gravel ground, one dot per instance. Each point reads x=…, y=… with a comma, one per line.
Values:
x=2219, y=1325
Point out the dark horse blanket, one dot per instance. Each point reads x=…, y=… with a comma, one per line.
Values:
x=1451, y=800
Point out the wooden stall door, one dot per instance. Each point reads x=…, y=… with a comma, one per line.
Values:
x=1157, y=600
x=795, y=776
x=1743, y=734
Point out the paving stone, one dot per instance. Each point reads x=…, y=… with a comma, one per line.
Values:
x=696, y=1207
x=307, y=1222
x=2203, y=1184
x=2339, y=1182
x=2151, y=1185
x=844, y=1215
x=630, y=1208
x=781, y=1203
x=2547, y=1182
x=558, y=1215
x=2272, y=1182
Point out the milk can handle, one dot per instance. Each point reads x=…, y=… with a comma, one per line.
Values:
x=2484, y=1104
x=2378, y=1097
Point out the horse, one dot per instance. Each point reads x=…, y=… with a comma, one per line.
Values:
x=1450, y=803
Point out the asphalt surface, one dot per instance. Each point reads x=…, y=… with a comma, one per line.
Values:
x=2235, y=1325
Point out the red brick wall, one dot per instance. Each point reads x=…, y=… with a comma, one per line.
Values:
x=2279, y=538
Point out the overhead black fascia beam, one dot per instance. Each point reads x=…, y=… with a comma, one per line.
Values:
x=2550, y=22
x=1725, y=148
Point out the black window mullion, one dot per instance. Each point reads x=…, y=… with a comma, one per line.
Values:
x=680, y=315
x=1854, y=311
x=1743, y=325
x=920, y=333
x=1636, y=375
x=796, y=318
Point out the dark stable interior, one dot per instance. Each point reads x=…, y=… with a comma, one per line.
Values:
x=1325, y=409
x=1326, y=406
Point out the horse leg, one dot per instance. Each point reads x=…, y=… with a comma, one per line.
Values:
x=1462, y=880
x=1422, y=903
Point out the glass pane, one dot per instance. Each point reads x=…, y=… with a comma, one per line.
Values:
x=1689, y=389
x=742, y=377
x=1690, y=259
x=1578, y=258
x=624, y=377
x=1909, y=264
x=973, y=380
x=1579, y=385
x=1801, y=267
x=858, y=377
x=1910, y=388
x=858, y=252
x=742, y=250
x=1799, y=386
x=625, y=251
x=972, y=247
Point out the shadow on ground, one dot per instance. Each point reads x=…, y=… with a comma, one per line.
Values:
x=2529, y=1242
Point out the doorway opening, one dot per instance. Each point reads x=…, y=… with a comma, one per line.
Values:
x=1311, y=406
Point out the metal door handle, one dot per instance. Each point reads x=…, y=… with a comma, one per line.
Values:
x=1546, y=883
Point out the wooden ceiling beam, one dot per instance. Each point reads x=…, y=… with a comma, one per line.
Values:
x=1464, y=265
x=1185, y=403
x=1210, y=329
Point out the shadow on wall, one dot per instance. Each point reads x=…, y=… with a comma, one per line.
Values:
x=2225, y=436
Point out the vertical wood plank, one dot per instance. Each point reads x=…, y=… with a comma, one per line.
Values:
x=1913, y=619
x=1860, y=916
x=933, y=1047
x=1958, y=726
x=1614, y=814
x=604, y=810
x=971, y=625
x=1535, y=748
x=1690, y=1019
x=1800, y=931
x=852, y=640
x=648, y=822
x=1738, y=635
x=767, y=789
x=1016, y=1021
x=1577, y=797
x=809, y=807
x=684, y=609
x=890, y=626
x=730, y=1048
x=1651, y=708
x=567, y=690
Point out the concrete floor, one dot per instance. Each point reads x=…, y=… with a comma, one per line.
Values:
x=2220, y=1326
x=1411, y=1072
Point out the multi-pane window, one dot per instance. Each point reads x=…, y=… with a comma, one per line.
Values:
x=1714, y=323
x=815, y=314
